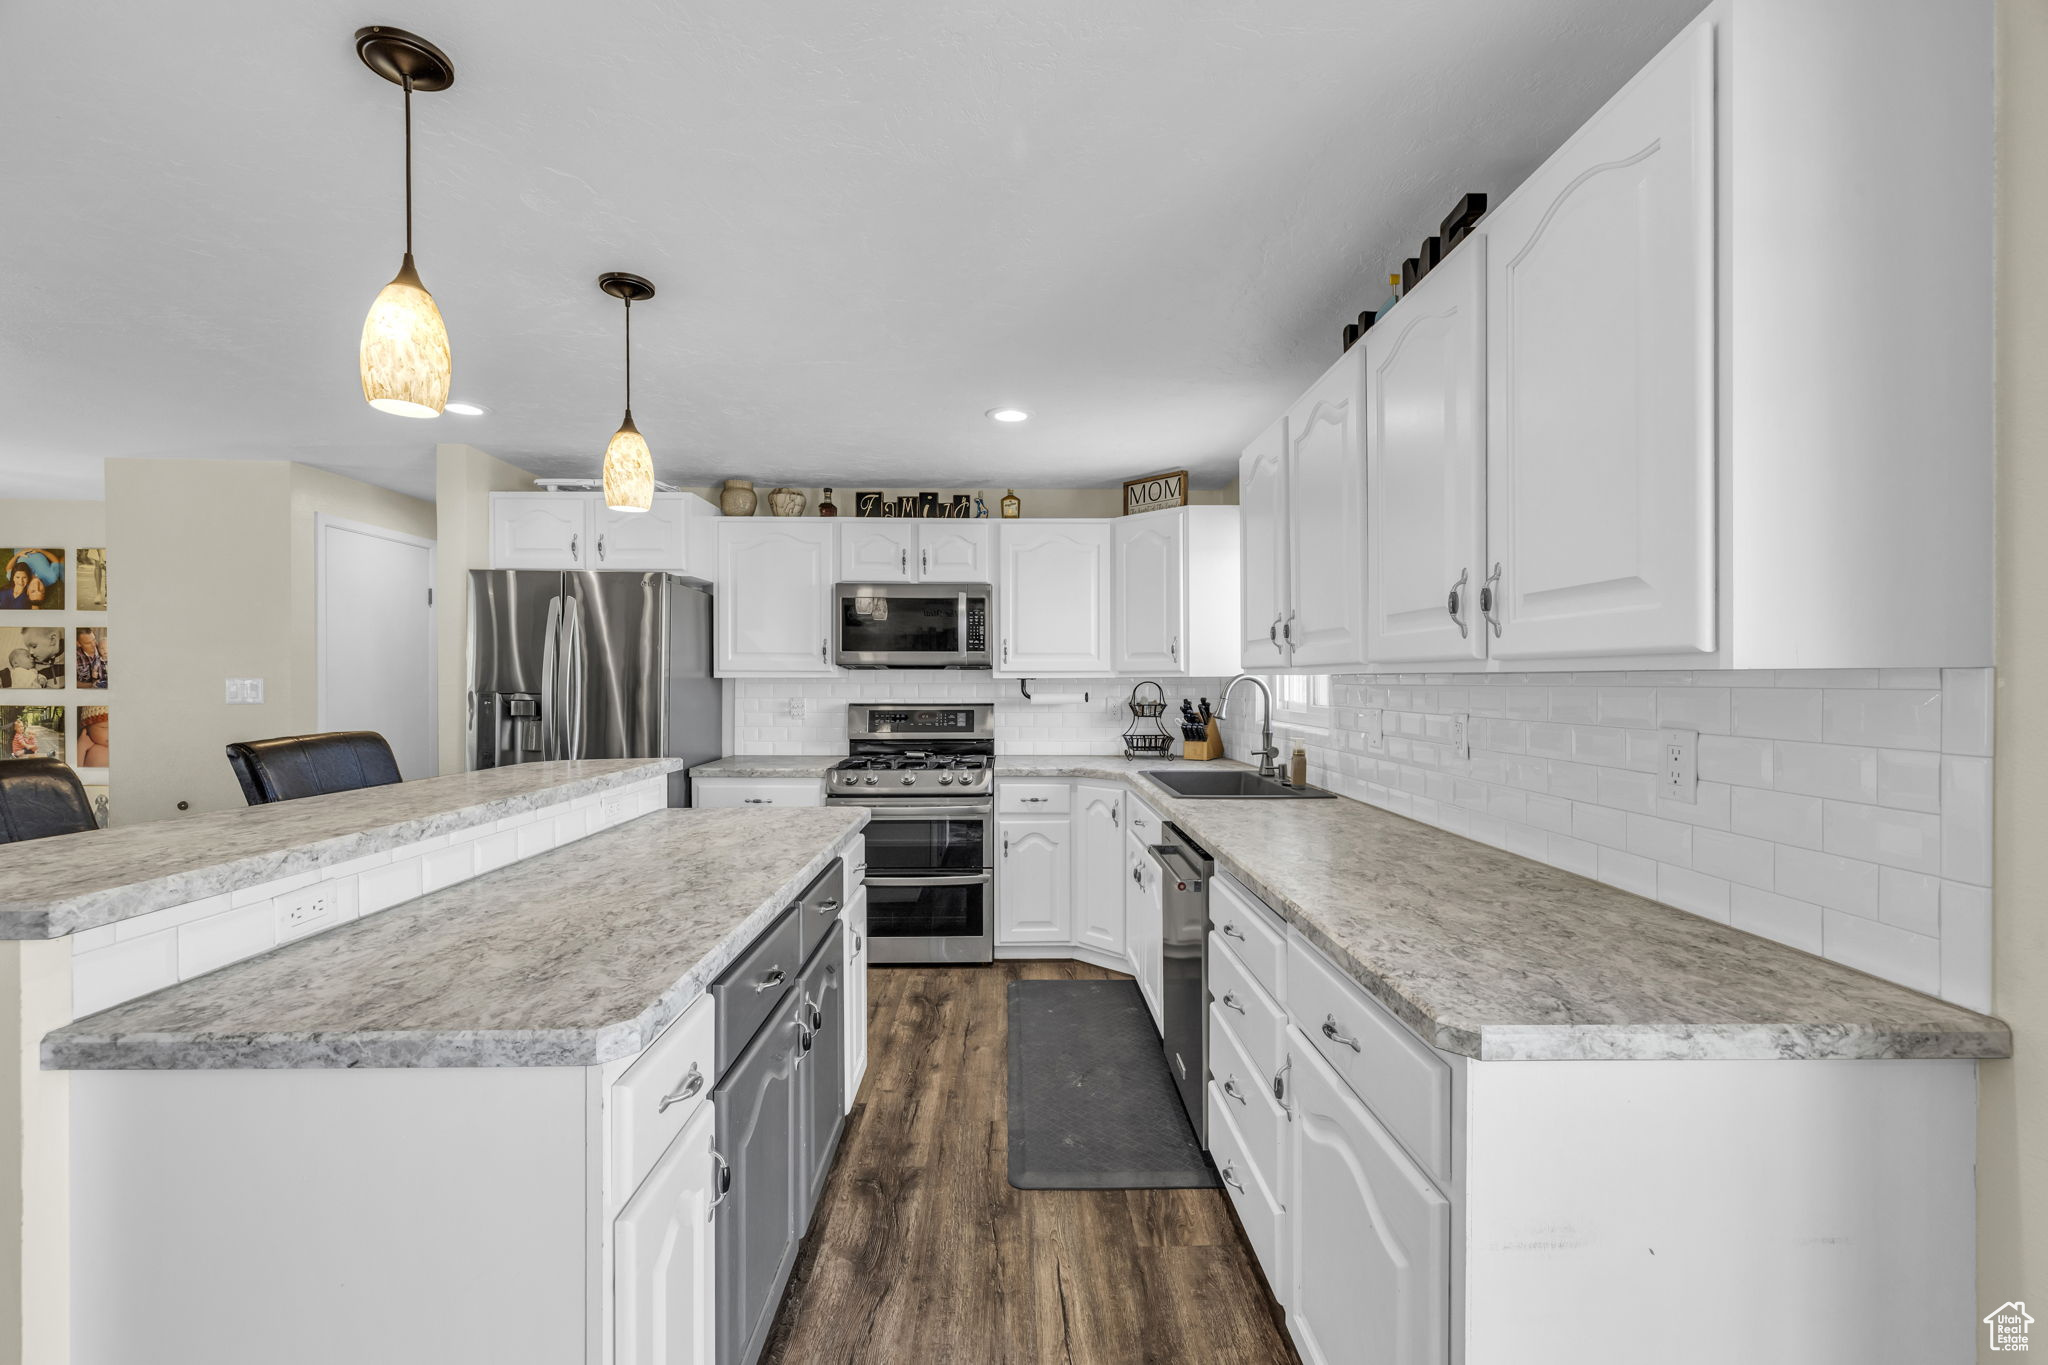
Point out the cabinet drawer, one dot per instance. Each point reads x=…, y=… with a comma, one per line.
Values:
x=1246, y=1090
x=754, y=985
x=1144, y=821
x=1253, y=932
x=1257, y=1209
x=760, y=791
x=818, y=909
x=1400, y=1078
x=1254, y=1018
x=1034, y=798
x=659, y=1093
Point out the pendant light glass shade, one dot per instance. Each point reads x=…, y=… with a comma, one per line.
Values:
x=405, y=362
x=628, y=470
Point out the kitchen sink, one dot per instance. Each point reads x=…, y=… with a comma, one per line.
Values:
x=1233, y=784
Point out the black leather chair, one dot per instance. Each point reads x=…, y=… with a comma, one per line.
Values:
x=312, y=765
x=40, y=797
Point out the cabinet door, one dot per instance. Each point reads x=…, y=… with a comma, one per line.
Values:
x=1325, y=621
x=1369, y=1236
x=650, y=540
x=774, y=598
x=954, y=551
x=878, y=551
x=856, y=1013
x=1142, y=921
x=1034, y=879
x=663, y=1277
x=1053, y=598
x=1425, y=463
x=1098, y=829
x=1262, y=504
x=1151, y=615
x=540, y=531
x=1600, y=379
x=823, y=1069
x=760, y=1129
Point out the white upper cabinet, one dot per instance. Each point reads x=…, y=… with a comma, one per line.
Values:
x=878, y=550
x=1151, y=617
x=1600, y=409
x=954, y=551
x=1425, y=443
x=1262, y=505
x=1053, y=598
x=540, y=531
x=775, y=577
x=1324, y=624
x=650, y=540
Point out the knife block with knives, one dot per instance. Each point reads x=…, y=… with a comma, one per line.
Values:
x=1201, y=736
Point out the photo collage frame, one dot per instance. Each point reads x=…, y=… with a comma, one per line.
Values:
x=55, y=664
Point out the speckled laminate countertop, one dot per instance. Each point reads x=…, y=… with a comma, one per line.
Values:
x=74, y=882
x=1495, y=956
x=569, y=958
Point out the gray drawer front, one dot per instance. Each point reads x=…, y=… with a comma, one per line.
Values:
x=750, y=990
x=820, y=906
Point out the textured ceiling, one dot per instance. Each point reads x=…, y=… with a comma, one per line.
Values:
x=1145, y=221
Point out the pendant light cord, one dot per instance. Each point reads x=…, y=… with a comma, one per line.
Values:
x=407, y=83
x=629, y=359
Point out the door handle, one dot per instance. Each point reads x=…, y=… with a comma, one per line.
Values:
x=550, y=680
x=692, y=1083
x=1229, y=1175
x=1230, y=1089
x=757, y=801
x=575, y=552
x=1280, y=1085
x=600, y=547
x=1273, y=634
x=826, y=907
x=1230, y=998
x=817, y=1016
x=903, y=562
x=775, y=977
x=722, y=1182
x=858, y=942
x=924, y=561
x=1489, y=600
x=1336, y=1035
x=1457, y=603
x=1230, y=930
x=825, y=650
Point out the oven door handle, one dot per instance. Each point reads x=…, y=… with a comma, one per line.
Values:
x=979, y=879
x=924, y=812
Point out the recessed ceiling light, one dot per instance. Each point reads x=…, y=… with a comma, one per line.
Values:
x=1009, y=414
x=464, y=409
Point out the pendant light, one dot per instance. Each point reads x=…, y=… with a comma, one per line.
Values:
x=404, y=357
x=628, y=463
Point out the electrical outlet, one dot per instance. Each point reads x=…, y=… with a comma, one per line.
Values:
x=1376, y=731
x=796, y=708
x=245, y=691
x=304, y=911
x=1679, y=766
x=1461, y=736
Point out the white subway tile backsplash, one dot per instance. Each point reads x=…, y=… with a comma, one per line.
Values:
x=106, y=976
x=1664, y=841
x=1909, y=779
x=1694, y=891
x=1782, y=817
x=1967, y=700
x=1629, y=872
x=1778, y=713
x=1789, y=921
x=1966, y=819
x=1837, y=771
x=1738, y=761
x=1889, y=720
x=1896, y=838
x=1838, y=883
x=1735, y=857
x=1909, y=900
x=230, y=936
x=1966, y=945
x=1909, y=959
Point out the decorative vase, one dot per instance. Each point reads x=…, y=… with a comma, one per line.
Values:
x=738, y=498
x=786, y=502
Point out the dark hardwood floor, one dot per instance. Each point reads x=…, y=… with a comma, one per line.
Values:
x=921, y=1252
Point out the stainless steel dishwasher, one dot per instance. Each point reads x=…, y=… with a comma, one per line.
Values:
x=1185, y=869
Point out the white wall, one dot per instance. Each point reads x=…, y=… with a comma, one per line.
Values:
x=1844, y=813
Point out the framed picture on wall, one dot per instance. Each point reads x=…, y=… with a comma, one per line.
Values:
x=31, y=579
x=89, y=659
x=31, y=658
x=1155, y=491
x=92, y=738
x=100, y=804
x=31, y=732
x=89, y=580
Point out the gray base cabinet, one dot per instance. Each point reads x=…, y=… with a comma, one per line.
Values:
x=759, y=1112
x=822, y=1079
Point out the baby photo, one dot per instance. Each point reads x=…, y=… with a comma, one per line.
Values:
x=31, y=732
x=92, y=738
x=31, y=657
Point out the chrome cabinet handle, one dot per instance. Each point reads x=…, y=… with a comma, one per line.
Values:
x=692, y=1083
x=1034, y=800
x=1006, y=845
x=817, y=1016
x=1230, y=1089
x=1116, y=817
x=924, y=561
x=1230, y=998
x=805, y=1044
x=1280, y=1085
x=722, y=1181
x=858, y=943
x=1489, y=600
x=903, y=560
x=757, y=800
x=1287, y=627
x=1230, y=930
x=1006, y=650
x=574, y=541
x=1230, y=1178
x=1273, y=634
x=1137, y=874
x=1457, y=603
x=824, y=649
x=775, y=977
x=600, y=547
x=826, y=907
x=1336, y=1035
x=1175, y=649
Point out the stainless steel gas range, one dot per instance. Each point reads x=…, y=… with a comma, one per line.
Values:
x=924, y=771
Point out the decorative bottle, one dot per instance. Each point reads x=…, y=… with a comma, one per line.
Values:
x=1012, y=507
x=826, y=507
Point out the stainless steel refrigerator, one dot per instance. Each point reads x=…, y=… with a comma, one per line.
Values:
x=590, y=665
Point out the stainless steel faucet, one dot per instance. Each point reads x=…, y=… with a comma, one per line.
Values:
x=1267, y=767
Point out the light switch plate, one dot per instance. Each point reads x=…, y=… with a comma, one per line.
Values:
x=1376, y=731
x=1678, y=766
x=245, y=691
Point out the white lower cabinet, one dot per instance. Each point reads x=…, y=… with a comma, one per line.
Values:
x=1143, y=920
x=1034, y=881
x=856, y=948
x=1098, y=842
x=757, y=791
x=663, y=1277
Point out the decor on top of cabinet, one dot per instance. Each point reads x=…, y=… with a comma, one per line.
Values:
x=1147, y=737
x=1463, y=219
x=826, y=507
x=738, y=498
x=1155, y=491
x=928, y=505
x=962, y=506
x=868, y=504
x=980, y=507
x=786, y=502
x=1012, y=506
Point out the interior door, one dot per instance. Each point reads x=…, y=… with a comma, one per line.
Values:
x=375, y=640
x=1262, y=509
x=775, y=578
x=1425, y=461
x=954, y=551
x=639, y=540
x=877, y=550
x=759, y=1125
x=1151, y=593
x=1325, y=619
x=1600, y=379
x=663, y=1285
x=1098, y=839
x=1054, y=598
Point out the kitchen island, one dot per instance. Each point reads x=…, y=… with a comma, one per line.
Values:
x=522, y=1066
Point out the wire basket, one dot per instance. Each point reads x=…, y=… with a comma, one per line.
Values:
x=1147, y=736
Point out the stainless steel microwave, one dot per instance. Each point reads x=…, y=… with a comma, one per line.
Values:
x=912, y=625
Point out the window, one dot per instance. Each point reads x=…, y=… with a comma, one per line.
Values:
x=1302, y=699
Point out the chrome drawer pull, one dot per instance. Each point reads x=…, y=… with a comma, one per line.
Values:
x=1230, y=999
x=826, y=907
x=1231, y=930
x=692, y=1083
x=723, y=1182
x=769, y=982
x=757, y=801
x=1229, y=1178
x=1280, y=1086
x=1230, y=1089
x=817, y=1015
x=1331, y=1032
